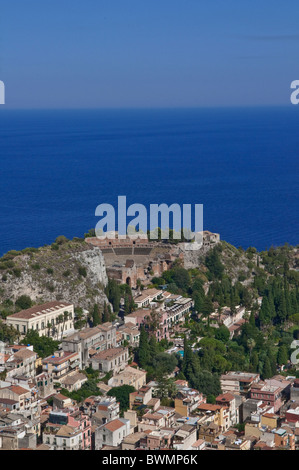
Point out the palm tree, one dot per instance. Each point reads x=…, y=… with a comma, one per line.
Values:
x=49, y=326
x=65, y=319
x=54, y=331
x=251, y=345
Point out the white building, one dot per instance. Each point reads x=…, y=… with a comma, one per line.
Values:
x=53, y=319
x=112, y=433
x=65, y=438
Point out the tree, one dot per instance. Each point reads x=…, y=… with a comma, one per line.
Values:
x=214, y=264
x=143, y=350
x=265, y=312
x=8, y=334
x=153, y=348
x=206, y=383
x=82, y=271
x=122, y=395
x=23, y=302
x=251, y=345
x=282, y=356
x=42, y=345
x=166, y=386
x=207, y=308
x=187, y=360
x=254, y=362
x=198, y=297
x=114, y=294
x=96, y=319
x=90, y=234
x=211, y=399
x=61, y=240
x=181, y=278
x=88, y=389
x=64, y=320
x=164, y=362
x=267, y=370
x=222, y=334
x=106, y=313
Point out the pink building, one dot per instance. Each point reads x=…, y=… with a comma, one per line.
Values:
x=269, y=394
x=147, y=317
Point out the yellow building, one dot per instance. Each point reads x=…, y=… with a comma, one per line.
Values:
x=269, y=420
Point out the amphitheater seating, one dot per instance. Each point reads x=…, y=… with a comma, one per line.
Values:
x=142, y=251
x=123, y=251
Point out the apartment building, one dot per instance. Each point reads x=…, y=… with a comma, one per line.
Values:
x=61, y=364
x=147, y=296
x=89, y=341
x=228, y=400
x=269, y=394
x=114, y=359
x=187, y=401
x=68, y=429
x=185, y=437
x=129, y=376
x=20, y=361
x=238, y=383
x=105, y=410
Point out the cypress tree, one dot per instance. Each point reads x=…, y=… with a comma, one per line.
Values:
x=267, y=370
x=143, y=350
x=282, y=356
x=96, y=319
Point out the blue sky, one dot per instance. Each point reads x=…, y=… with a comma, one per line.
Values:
x=141, y=53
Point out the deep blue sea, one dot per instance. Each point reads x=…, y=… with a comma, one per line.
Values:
x=241, y=164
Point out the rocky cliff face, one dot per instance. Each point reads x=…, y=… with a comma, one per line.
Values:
x=192, y=257
x=73, y=272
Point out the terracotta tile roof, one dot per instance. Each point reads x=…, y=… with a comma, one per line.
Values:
x=71, y=380
x=39, y=309
x=199, y=442
x=7, y=401
x=270, y=415
x=24, y=354
x=225, y=397
x=61, y=397
x=59, y=360
x=66, y=431
x=103, y=407
x=209, y=407
x=153, y=416
x=18, y=390
x=114, y=425
x=109, y=353
x=141, y=313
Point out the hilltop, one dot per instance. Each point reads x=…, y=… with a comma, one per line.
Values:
x=68, y=270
